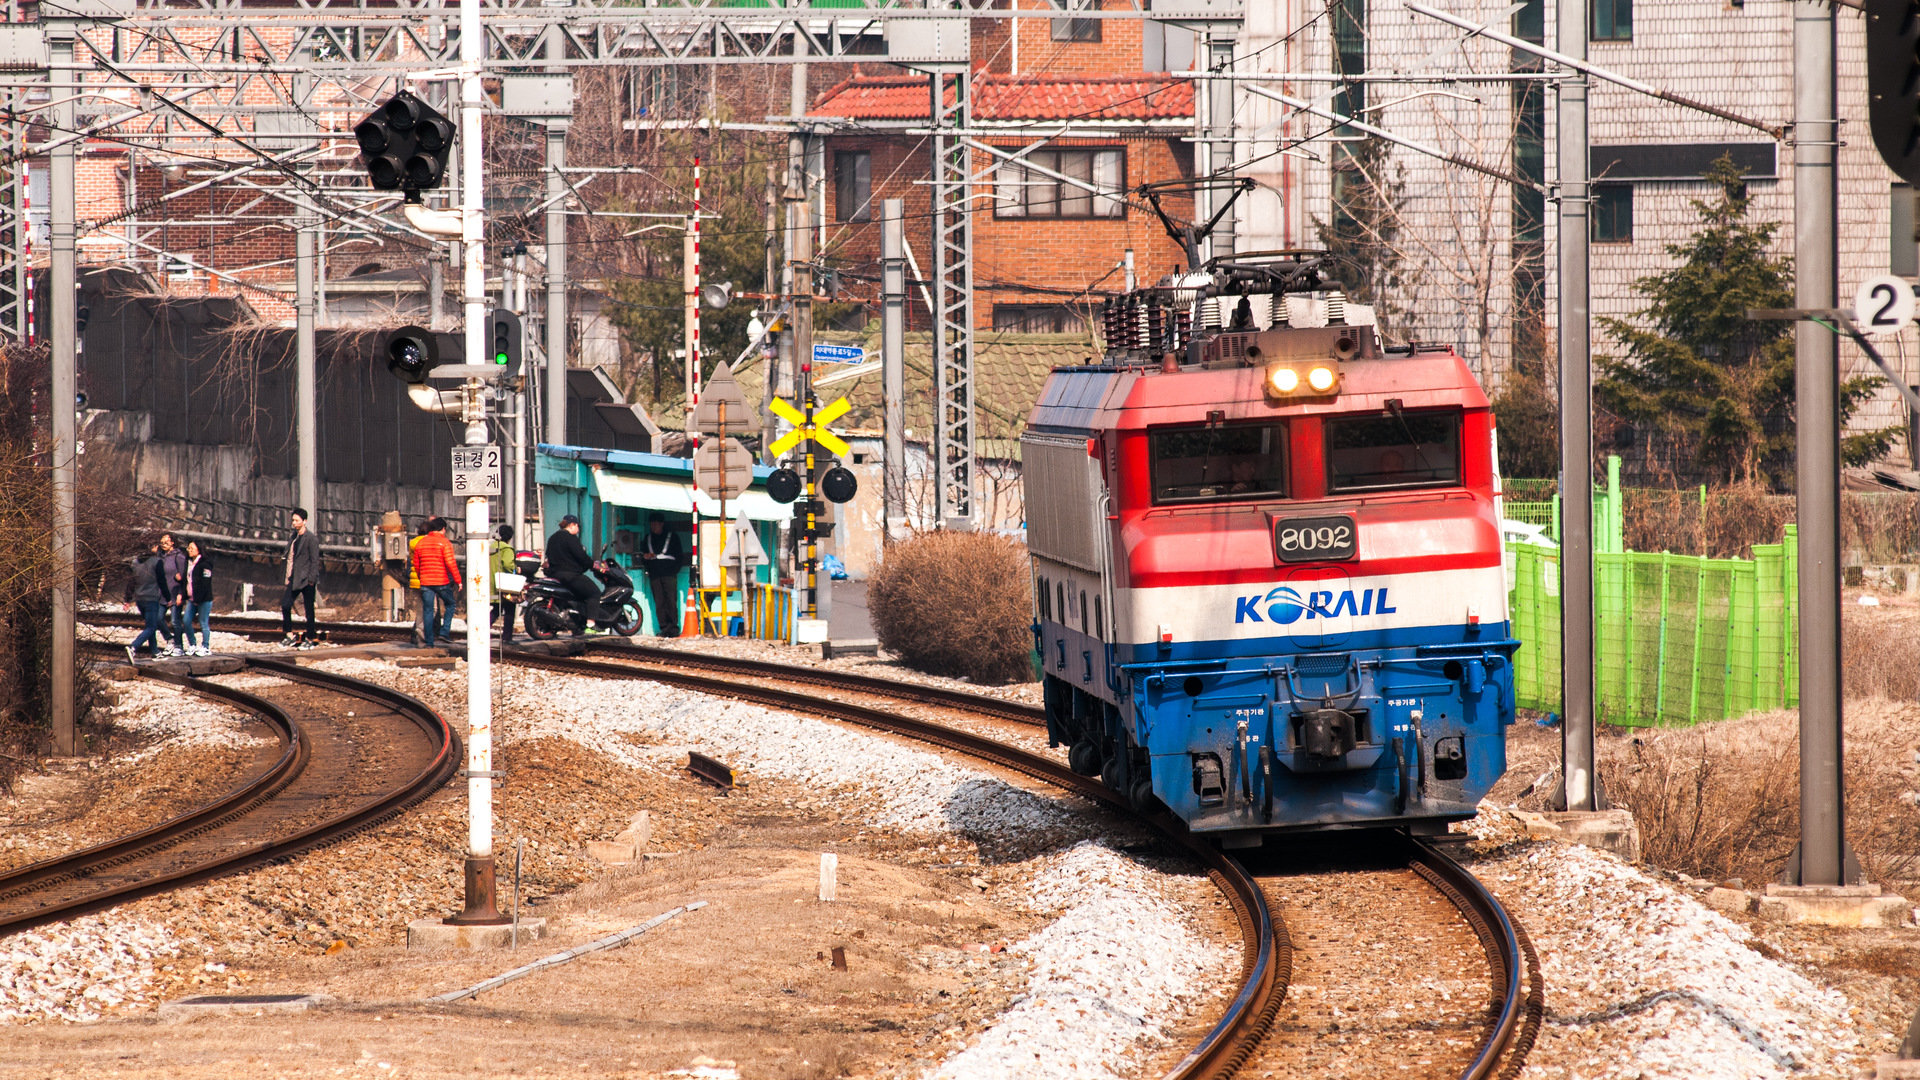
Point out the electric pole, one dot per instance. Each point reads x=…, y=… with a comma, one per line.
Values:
x=1579, y=782
x=1822, y=856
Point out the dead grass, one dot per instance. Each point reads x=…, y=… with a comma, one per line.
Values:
x=1721, y=800
x=956, y=604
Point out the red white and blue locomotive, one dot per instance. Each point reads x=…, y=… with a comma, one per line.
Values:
x=1267, y=561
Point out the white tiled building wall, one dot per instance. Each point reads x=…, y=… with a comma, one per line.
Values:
x=1458, y=222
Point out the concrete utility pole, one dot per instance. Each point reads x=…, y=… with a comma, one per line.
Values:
x=306, y=378
x=1822, y=857
x=893, y=347
x=1579, y=783
x=61, y=312
x=556, y=373
x=480, y=881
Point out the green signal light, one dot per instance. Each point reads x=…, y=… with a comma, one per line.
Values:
x=500, y=358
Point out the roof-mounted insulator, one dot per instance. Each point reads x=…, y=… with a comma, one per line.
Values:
x=1336, y=308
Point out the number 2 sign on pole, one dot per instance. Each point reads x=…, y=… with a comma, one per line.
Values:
x=1883, y=305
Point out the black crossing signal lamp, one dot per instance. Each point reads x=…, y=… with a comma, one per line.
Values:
x=504, y=337
x=405, y=144
x=1893, y=83
x=411, y=354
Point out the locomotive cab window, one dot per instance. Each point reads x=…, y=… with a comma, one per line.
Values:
x=1396, y=451
x=1219, y=462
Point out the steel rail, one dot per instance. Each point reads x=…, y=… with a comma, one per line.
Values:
x=1519, y=988
x=295, y=752
x=1267, y=962
x=1267, y=959
x=239, y=803
x=840, y=680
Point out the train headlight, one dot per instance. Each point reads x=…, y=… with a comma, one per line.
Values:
x=1297, y=380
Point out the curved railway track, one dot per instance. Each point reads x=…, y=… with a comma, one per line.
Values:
x=1515, y=1004
x=353, y=755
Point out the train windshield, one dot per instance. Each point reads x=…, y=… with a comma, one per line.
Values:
x=1398, y=450
x=1219, y=462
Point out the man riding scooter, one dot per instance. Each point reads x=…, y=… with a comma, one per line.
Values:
x=570, y=565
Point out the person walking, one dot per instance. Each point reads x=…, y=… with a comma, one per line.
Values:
x=660, y=553
x=439, y=570
x=502, y=561
x=567, y=561
x=302, y=578
x=199, y=599
x=143, y=588
x=173, y=594
x=413, y=583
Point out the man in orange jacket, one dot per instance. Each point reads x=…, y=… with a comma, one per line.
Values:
x=438, y=571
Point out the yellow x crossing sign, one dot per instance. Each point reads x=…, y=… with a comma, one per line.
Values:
x=810, y=427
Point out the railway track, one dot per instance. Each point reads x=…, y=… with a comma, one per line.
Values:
x=353, y=754
x=1514, y=1005
x=1506, y=1020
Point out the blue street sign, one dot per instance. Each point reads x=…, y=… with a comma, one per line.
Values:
x=838, y=354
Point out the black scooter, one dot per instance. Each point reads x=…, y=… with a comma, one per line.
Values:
x=552, y=609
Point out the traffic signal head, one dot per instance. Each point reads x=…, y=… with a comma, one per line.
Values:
x=411, y=353
x=405, y=144
x=503, y=343
x=1893, y=83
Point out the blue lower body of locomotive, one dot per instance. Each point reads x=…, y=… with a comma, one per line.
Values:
x=1407, y=731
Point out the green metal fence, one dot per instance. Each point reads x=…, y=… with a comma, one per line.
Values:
x=1678, y=638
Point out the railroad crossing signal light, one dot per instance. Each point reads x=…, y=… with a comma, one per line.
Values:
x=411, y=354
x=1893, y=83
x=504, y=338
x=405, y=144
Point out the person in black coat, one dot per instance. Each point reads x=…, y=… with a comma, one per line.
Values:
x=569, y=564
x=143, y=588
x=173, y=593
x=303, y=576
x=662, y=557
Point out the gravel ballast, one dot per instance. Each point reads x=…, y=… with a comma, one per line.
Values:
x=1645, y=981
x=1642, y=979
x=1106, y=973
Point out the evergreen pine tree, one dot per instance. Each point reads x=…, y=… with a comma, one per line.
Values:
x=1720, y=386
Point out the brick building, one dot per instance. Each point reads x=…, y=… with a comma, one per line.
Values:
x=1085, y=98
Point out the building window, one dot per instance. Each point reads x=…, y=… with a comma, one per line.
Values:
x=1903, y=254
x=1079, y=30
x=1349, y=58
x=1613, y=20
x=1026, y=192
x=1613, y=213
x=853, y=185
x=1041, y=318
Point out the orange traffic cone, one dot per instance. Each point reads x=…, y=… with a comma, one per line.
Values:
x=690, y=623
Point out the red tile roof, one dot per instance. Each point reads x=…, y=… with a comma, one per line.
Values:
x=1016, y=97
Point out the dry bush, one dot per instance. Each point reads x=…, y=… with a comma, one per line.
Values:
x=108, y=518
x=1876, y=653
x=1879, y=527
x=1726, y=526
x=1722, y=800
x=957, y=604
